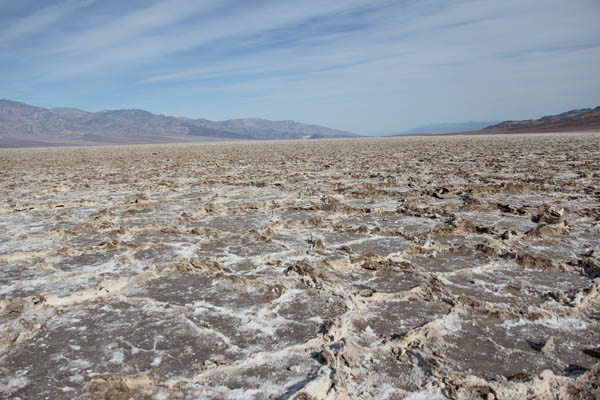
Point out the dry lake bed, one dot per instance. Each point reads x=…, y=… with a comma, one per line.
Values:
x=419, y=268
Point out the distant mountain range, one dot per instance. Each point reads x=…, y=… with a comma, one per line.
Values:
x=584, y=119
x=22, y=125
x=450, y=127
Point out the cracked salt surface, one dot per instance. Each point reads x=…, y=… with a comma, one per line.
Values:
x=456, y=267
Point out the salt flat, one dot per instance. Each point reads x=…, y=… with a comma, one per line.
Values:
x=424, y=267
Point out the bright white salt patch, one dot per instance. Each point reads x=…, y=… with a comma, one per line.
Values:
x=8, y=385
x=185, y=250
x=451, y=324
x=161, y=396
x=79, y=364
x=157, y=360
x=554, y=323
x=267, y=326
x=76, y=378
x=117, y=357
x=430, y=394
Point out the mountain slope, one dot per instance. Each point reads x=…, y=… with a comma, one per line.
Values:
x=23, y=125
x=574, y=120
x=450, y=127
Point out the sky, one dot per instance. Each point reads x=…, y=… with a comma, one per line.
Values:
x=370, y=67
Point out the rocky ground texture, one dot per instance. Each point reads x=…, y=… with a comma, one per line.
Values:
x=448, y=267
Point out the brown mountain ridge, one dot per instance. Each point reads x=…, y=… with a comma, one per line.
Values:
x=22, y=125
x=584, y=119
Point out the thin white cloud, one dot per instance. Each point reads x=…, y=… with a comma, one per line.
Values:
x=39, y=20
x=136, y=26
x=431, y=40
x=136, y=38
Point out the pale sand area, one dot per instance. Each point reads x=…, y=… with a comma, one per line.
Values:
x=416, y=267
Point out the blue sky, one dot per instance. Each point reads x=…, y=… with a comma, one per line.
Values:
x=371, y=67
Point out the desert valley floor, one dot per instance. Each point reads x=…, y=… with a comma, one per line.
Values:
x=460, y=267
